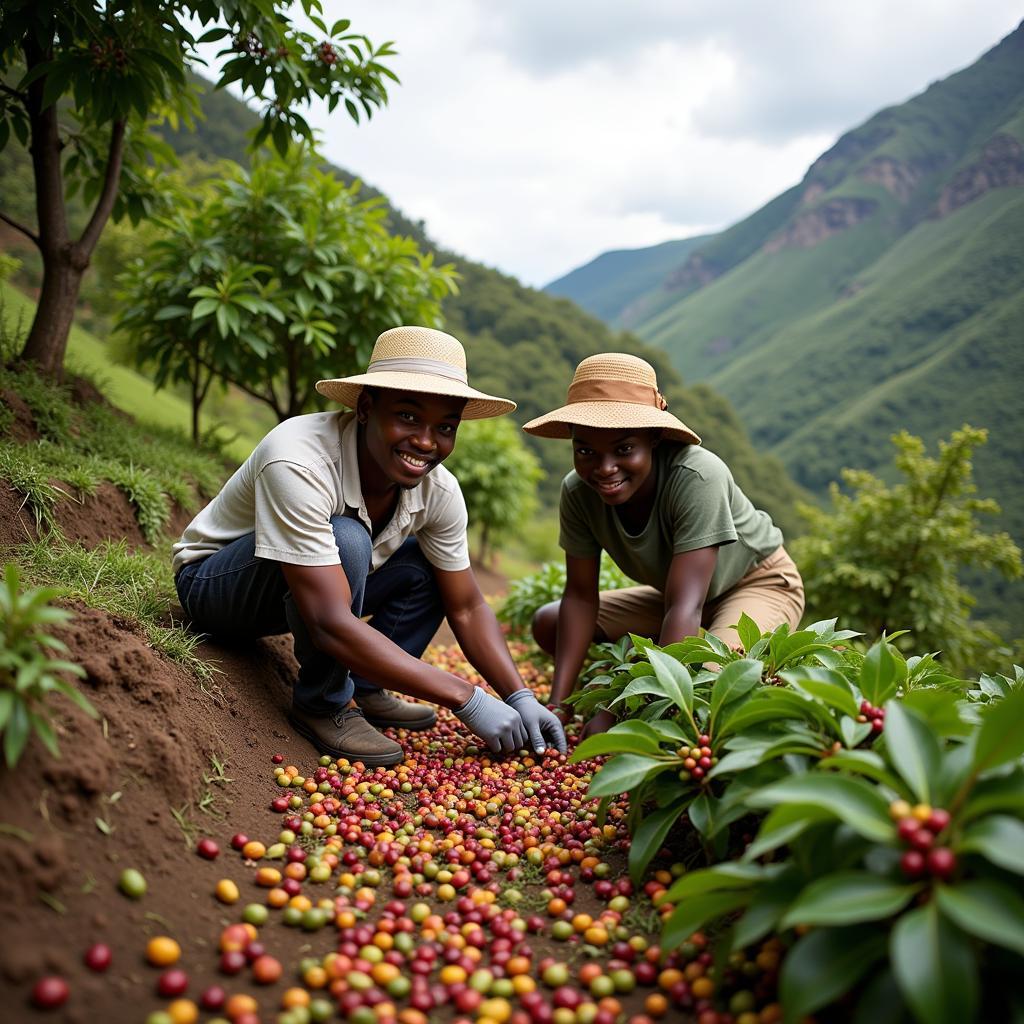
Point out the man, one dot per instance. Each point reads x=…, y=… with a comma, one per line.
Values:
x=335, y=517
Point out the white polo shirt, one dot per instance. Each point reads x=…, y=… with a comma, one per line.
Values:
x=303, y=473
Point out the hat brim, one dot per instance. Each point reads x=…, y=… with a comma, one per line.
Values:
x=479, y=406
x=610, y=416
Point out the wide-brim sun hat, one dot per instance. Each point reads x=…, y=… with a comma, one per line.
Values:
x=610, y=391
x=418, y=359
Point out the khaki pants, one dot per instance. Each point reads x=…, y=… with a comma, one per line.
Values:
x=771, y=593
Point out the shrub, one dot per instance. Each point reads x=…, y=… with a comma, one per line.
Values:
x=529, y=593
x=29, y=673
x=885, y=796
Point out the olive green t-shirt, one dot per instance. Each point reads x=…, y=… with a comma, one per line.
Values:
x=696, y=505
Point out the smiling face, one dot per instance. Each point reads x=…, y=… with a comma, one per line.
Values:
x=406, y=434
x=616, y=463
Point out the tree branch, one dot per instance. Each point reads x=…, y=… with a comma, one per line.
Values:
x=108, y=194
x=19, y=227
x=21, y=97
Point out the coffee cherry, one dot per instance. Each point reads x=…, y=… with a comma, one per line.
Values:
x=942, y=862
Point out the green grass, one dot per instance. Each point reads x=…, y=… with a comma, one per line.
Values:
x=135, y=586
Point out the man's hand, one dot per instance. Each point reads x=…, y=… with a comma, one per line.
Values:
x=498, y=725
x=543, y=727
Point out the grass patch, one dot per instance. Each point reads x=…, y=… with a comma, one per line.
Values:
x=137, y=587
x=83, y=446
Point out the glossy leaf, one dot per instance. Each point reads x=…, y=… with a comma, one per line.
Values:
x=879, y=674
x=700, y=910
x=1001, y=737
x=826, y=685
x=622, y=774
x=650, y=836
x=674, y=678
x=999, y=838
x=824, y=965
x=736, y=679
x=987, y=910
x=913, y=750
x=935, y=967
x=848, y=897
x=852, y=801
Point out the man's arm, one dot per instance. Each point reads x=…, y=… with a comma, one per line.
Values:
x=577, y=621
x=686, y=589
x=323, y=598
x=475, y=627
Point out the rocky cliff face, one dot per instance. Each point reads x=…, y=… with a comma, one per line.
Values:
x=812, y=227
x=1001, y=166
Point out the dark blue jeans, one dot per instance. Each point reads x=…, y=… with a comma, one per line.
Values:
x=234, y=595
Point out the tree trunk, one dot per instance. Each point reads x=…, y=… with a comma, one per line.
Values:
x=64, y=260
x=48, y=339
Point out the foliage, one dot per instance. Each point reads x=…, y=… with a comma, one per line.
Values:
x=82, y=445
x=890, y=555
x=277, y=278
x=90, y=80
x=528, y=593
x=498, y=475
x=886, y=801
x=133, y=585
x=30, y=675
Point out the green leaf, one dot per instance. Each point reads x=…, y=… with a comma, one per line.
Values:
x=650, y=835
x=824, y=965
x=735, y=680
x=935, y=967
x=1001, y=737
x=913, y=750
x=766, y=909
x=728, y=875
x=16, y=734
x=999, y=839
x=748, y=631
x=678, y=686
x=613, y=743
x=848, y=897
x=852, y=801
x=700, y=910
x=878, y=674
x=783, y=824
x=622, y=774
x=826, y=685
x=987, y=910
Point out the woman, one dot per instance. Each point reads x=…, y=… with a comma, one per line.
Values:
x=667, y=512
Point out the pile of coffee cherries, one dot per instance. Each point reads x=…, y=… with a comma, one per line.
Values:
x=461, y=887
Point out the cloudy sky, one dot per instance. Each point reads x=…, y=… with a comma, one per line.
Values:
x=533, y=136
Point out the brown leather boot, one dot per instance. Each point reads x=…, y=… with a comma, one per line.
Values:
x=347, y=734
x=384, y=709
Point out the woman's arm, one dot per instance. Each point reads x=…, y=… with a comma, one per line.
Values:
x=577, y=622
x=686, y=589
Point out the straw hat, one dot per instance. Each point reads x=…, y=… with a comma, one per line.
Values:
x=613, y=390
x=417, y=359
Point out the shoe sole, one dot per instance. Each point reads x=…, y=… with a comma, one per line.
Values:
x=370, y=760
x=416, y=725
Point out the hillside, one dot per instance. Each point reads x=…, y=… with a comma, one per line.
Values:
x=519, y=341
x=608, y=285
x=884, y=291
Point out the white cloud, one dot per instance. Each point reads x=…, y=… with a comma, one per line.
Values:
x=532, y=136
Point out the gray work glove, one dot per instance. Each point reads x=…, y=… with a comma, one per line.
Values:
x=542, y=726
x=498, y=725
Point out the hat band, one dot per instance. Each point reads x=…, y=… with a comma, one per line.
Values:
x=616, y=391
x=414, y=364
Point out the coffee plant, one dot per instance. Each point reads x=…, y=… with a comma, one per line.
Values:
x=864, y=808
x=29, y=673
